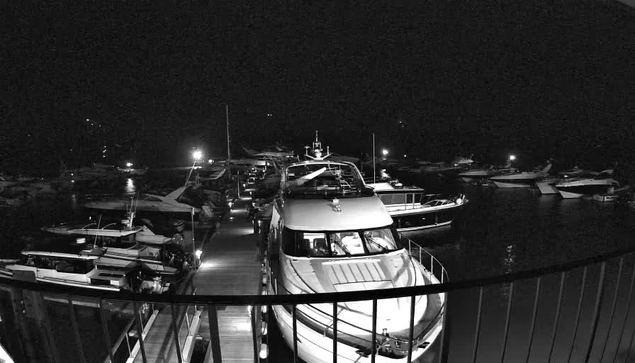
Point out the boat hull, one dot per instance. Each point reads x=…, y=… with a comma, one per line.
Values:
x=317, y=347
x=513, y=184
x=424, y=219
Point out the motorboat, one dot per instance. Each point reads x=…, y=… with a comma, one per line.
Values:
x=587, y=186
x=125, y=245
x=67, y=261
x=520, y=179
x=412, y=209
x=185, y=199
x=329, y=233
x=480, y=174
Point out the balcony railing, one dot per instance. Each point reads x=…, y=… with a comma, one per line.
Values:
x=574, y=312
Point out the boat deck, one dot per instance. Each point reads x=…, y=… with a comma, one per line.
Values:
x=229, y=266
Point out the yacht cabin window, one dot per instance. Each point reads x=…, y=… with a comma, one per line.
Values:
x=339, y=244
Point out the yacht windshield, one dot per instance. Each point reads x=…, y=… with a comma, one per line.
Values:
x=339, y=244
x=324, y=179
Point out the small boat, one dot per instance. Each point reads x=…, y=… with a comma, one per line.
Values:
x=413, y=210
x=614, y=195
x=125, y=245
x=71, y=262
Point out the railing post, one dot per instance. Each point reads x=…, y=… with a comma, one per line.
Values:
x=78, y=339
x=478, y=323
x=577, y=314
x=557, y=317
x=596, y=310
x=334, y=331
x=628, y=310
x=176, y=334
x=533, y=318
x=612, y=314
x=104, y=325
x=445, y=334
x=373, y=334
x=509, y=310
x=135, y=308
x=212, y=316
x=295, y=332
x=412, y=327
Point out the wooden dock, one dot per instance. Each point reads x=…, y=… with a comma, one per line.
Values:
x=229, y=266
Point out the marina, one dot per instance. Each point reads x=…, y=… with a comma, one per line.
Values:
x=482, y=241
x=474, y=200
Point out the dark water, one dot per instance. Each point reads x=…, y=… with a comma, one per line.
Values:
x=499, y=231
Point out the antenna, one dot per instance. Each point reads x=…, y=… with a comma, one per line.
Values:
x=317, y=150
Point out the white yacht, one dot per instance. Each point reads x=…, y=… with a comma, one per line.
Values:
x=523, y=179
x=71, y=262
x=587, y=186
x=124, y=245
x=331, y=233
x=413, y=210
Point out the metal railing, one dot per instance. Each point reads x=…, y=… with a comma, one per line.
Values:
x=577, y=311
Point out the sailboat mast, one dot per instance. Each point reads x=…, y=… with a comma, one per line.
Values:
x=229, y=155
x=374, y=172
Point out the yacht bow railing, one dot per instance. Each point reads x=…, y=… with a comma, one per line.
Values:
x=426, y=259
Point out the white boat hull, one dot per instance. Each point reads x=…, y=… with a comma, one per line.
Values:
x=570, y=195
x=502, y=184
x=315, y=347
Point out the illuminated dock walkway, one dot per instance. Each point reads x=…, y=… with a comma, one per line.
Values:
x=228, y=267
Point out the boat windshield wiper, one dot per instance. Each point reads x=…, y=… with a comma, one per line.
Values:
x=340, y=245
x=376, y=244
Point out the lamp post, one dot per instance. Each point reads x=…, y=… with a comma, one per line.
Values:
x=196, y=155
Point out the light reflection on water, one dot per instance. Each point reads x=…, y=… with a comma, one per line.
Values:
x=131, y=188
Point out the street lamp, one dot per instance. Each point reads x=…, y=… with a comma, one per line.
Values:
x=196, y=155
x=384, y=152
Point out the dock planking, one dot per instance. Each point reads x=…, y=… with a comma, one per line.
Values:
x=229, y=267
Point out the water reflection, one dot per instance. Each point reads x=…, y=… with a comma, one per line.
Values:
x=130, y=188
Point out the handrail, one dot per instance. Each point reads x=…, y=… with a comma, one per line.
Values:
x=320, y=297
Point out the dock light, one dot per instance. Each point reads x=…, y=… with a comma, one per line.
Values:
x=512, y=157
x=198, y=254
x=384, y=152
x=129, y=164
x=264, y=351
x=197, y=154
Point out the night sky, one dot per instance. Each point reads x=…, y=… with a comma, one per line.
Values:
x=539, y=78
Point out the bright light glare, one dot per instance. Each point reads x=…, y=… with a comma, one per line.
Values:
x=128, y=164
x=205, y=265
x=197, y=154
x=512, y=157
x=384, y=152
